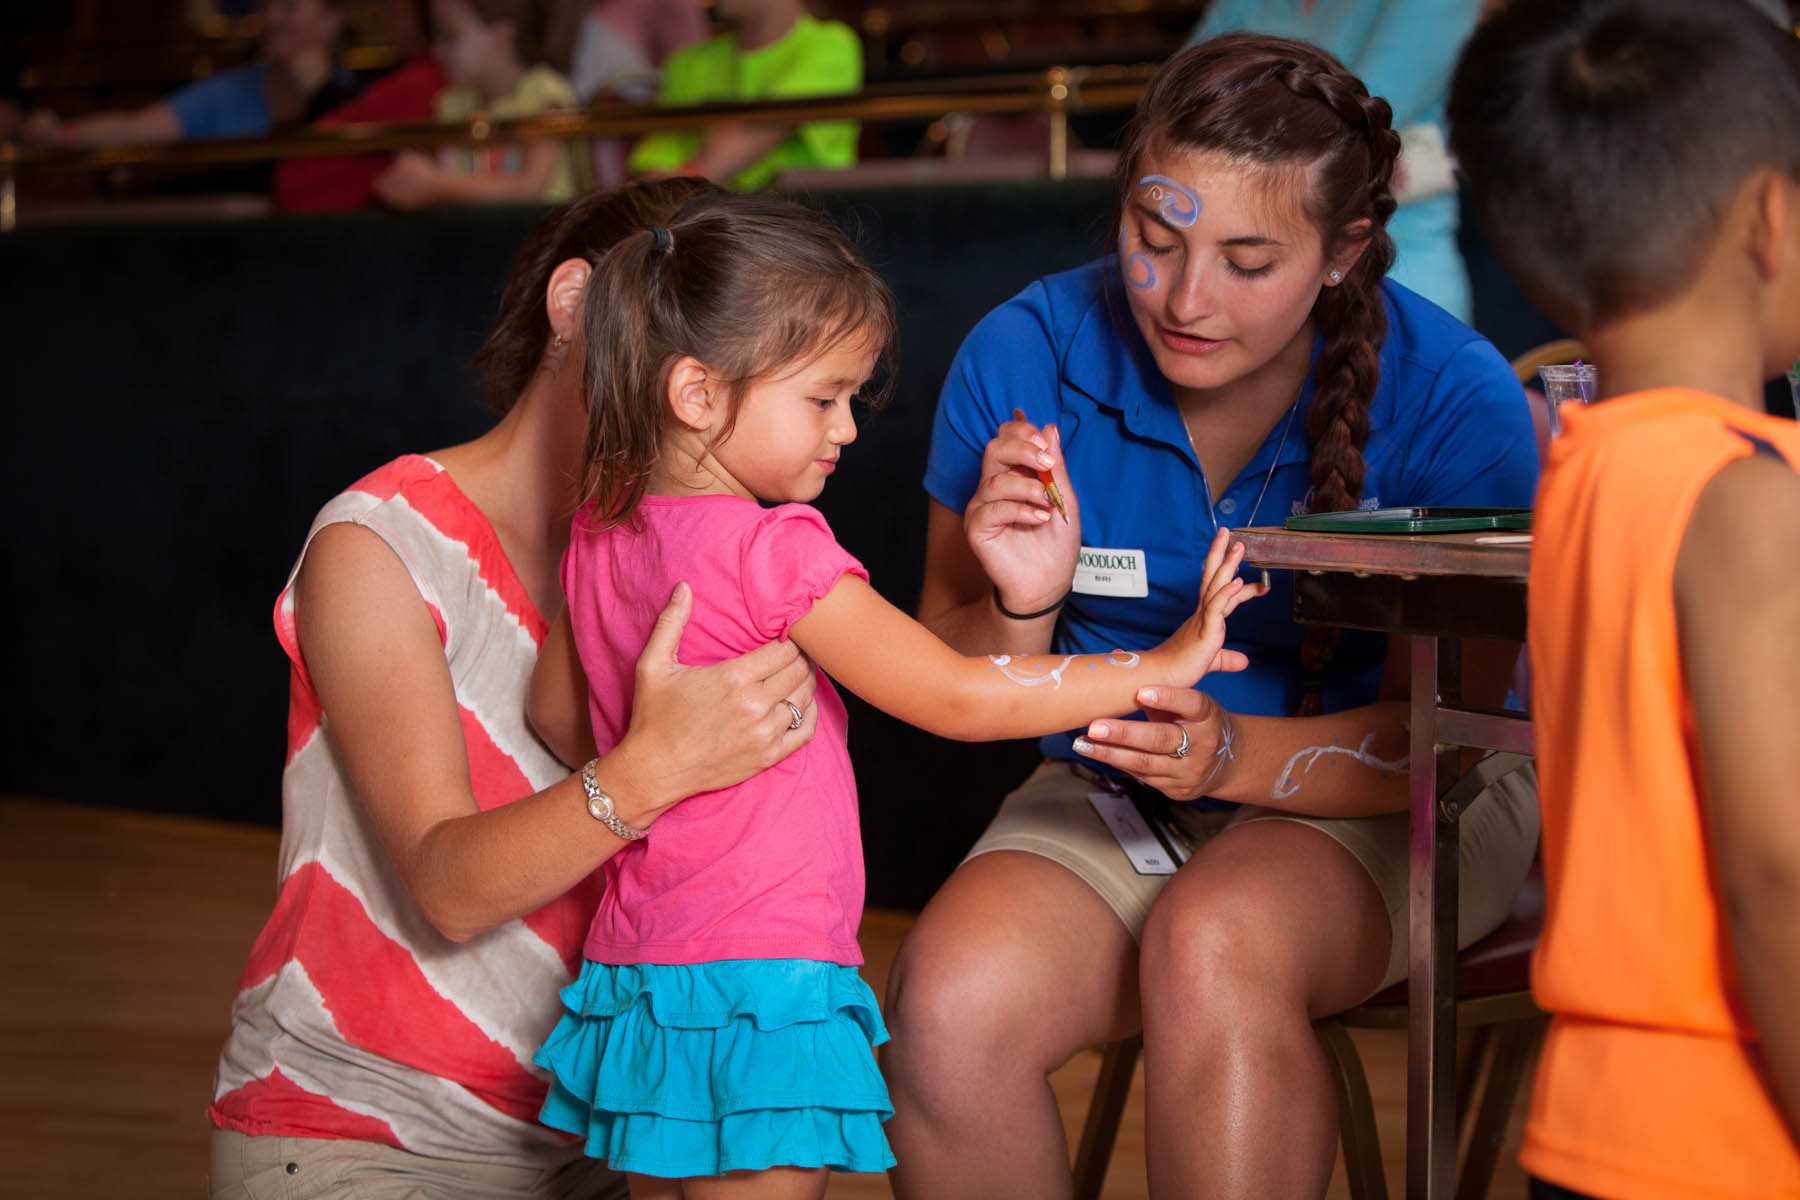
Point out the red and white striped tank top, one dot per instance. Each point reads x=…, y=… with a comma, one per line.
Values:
x=354, y=1017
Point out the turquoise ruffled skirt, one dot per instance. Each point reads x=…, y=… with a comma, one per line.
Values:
x=681, y=1071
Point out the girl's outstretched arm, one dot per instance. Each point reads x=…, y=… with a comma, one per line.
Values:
x=900, y=667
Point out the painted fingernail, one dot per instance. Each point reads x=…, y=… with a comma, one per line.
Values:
x=1083, y=746
x=1099, y=730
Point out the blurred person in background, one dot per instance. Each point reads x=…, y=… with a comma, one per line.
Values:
x=775, y=50
x=294, y=79
x=406, y=94
x=1404, y=50
x=619, y=54
x=501, y=59
x=622, y=45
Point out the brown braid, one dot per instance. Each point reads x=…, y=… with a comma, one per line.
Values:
x=1353, y=322
x=1279, y=102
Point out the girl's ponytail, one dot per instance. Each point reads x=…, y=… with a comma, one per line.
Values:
x=633, y=327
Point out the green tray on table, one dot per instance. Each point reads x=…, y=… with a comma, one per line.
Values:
x=1412, y=520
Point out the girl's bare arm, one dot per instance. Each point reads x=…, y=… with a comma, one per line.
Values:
x=901, y=667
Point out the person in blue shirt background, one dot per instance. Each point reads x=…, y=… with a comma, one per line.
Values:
x=1404, y=50
x=1241, y=357
x=294, y=78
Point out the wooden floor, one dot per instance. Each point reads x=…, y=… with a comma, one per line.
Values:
x=121, y=938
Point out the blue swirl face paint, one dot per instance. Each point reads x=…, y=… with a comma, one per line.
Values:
x=1178, y=204
x=1138, y=271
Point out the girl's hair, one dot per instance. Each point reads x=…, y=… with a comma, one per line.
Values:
x=585, y=228
x=751, y=286
x=1288, y=107
x=543, y=30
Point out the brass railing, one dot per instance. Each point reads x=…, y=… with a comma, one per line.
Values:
x=1057, y=92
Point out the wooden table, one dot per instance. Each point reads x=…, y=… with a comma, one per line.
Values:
x=1434, y=589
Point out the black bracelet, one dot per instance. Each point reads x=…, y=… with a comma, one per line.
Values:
x=1042, y=612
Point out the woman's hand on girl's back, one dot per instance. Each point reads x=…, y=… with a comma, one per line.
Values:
x=715, y=726
x=1023, y=543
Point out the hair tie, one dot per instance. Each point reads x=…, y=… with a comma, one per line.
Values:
x=665, y=241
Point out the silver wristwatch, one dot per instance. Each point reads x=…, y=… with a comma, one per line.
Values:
x=600, y=806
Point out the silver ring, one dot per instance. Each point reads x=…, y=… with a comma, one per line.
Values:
x=1181, y=751
x=799, y=718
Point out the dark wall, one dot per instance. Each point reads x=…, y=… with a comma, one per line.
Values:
x=182, y=398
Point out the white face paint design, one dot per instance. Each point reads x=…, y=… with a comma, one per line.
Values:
x=1013, y=667
x=1312, y=754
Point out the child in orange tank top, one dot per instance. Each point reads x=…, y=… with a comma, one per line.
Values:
x=1665, y=579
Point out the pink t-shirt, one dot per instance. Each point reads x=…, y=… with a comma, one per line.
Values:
x=771, y=868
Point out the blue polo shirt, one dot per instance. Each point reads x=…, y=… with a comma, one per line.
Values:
x=1449, y=425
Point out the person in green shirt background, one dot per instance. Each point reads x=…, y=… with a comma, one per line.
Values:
x=776, y=50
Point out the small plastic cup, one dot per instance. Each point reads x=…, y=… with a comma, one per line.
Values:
x=1567, y=383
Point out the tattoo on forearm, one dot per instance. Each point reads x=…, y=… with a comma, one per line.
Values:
x=1362, y=754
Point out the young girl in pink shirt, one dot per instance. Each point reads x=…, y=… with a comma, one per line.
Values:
x=719, y=1026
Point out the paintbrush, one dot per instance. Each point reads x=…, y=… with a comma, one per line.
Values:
x=1045, y=478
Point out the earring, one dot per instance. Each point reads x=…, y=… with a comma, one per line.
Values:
x=1336, y=275
x=558, y=342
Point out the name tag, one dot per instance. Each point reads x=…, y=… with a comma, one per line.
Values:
x=1103, y=572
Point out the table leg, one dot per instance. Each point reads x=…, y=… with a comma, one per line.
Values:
x=1431, y=986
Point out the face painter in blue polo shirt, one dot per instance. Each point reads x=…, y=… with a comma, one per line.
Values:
x=1238, y=869
x=1448, y=426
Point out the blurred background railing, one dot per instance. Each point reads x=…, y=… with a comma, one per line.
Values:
x=947, y=109
x=976, y=88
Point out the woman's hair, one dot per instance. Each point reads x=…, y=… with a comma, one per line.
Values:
x=751, y=286
x=543, y=30
x=585, y=228
x=1291, y=109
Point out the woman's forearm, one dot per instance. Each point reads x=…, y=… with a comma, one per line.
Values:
x=1344, y=764
x=472, y=873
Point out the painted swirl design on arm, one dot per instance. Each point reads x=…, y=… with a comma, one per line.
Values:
x=1014, y=667
x=1362, y=754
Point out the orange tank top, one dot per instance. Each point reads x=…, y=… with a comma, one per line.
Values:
x=1648, y=1085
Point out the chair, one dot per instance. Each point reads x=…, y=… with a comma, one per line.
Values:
x=1563, y=350
x=1494, y=1010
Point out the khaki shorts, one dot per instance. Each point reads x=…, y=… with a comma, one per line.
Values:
x=284, y=1168
x=1049, y=815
